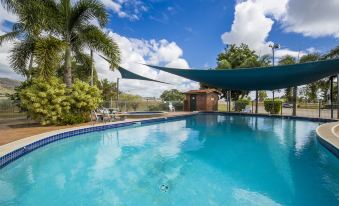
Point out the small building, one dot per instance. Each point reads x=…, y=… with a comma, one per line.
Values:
x=201, y=100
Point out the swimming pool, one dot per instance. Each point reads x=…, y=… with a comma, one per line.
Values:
x=204, y=159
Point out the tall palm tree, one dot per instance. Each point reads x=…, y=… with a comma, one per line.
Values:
x=72, y=23
x=27, y=30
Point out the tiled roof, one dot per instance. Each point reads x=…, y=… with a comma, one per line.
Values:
x=201, y=91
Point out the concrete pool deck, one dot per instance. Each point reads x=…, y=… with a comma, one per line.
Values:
x=10, y=133
x=329, y=136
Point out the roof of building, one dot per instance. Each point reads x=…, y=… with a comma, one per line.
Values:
x=201, y=91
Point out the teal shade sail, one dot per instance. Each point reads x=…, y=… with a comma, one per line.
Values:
x=125, y=74
x=260, y=78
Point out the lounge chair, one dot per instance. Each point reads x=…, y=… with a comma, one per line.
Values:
x=96, y=117
x=247, y=109
x=171, y=107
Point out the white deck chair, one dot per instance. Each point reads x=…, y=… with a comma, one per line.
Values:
x=171, y=107
x=247, y=109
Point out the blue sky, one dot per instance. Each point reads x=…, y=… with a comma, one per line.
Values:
x=197, y=26
x=190, y=34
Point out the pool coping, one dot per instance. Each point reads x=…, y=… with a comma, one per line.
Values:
x=14, y=150
x=328, y=138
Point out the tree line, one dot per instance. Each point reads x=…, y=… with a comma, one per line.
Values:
x=234, y=57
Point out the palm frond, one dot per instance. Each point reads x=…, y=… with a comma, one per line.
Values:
x=9, y=5
x=85, y=10
x=47, y=55
x=99, y=41
x=10, y=36
x=20, y=55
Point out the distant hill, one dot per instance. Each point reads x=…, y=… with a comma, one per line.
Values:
x=7, y=85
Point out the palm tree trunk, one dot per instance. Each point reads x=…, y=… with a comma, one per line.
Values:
x=68, y=67
x=30, y=66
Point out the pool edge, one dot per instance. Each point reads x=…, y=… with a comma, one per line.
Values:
x=16, y=149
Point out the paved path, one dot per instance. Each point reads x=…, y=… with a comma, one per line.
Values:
x=17, y=129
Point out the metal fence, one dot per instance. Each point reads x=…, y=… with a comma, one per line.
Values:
x=304, y=109
x=8, y=110
x=143, y=105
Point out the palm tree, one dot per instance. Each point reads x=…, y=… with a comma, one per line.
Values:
x=72, y=23
x=27, y=29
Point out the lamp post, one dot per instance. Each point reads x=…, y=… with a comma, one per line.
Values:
x=117, y=102
x=92, y=68
x=273, y=46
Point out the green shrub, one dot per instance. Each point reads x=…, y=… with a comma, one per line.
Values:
x=72, y=118
x=268, y=104
x=50, y=102
x=241, y=104
x=45, y=100
x=84, y=98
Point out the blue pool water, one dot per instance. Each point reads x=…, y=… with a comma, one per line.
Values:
x=199, y=160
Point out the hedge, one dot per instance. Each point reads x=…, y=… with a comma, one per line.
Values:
x=241, y=104
x=268, y=104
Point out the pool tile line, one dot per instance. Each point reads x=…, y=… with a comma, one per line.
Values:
x=17, y=153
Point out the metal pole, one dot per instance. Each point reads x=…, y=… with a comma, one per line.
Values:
x=295, y=90
x=230, y=99
x=252, y=107
x=331, y=95
x=337, y=96
x=92, y=68
x=256, y=101
x=117, y=104
x=319, y=106
x=273, y=90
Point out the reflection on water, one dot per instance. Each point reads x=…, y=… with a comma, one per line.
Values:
x=200, y=160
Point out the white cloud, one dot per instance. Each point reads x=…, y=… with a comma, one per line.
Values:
x=131, y=9
x=134, y=53
x=253, y=21
x=312, y=18
x=5, y=70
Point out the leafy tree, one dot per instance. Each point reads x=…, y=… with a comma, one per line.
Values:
x=172, y=95
x=236, y=55
x=262, y=95
x=312, y=88
x=333, y=54
x=265, y=60
x=109, y=89
x=287, y=60
x=223, y=64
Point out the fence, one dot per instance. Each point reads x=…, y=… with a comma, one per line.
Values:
x=304, y=109
x=8, y=110
x=143, y=105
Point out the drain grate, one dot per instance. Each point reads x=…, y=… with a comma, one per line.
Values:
x=164, y=188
